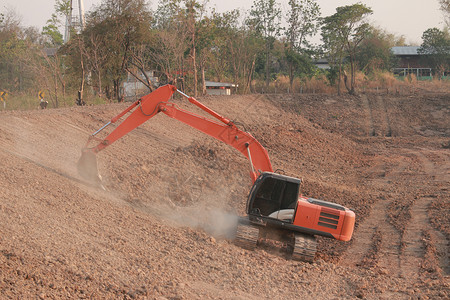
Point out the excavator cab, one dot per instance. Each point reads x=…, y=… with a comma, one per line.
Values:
x=274, y=196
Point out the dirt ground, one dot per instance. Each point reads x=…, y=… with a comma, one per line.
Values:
x=163, y=228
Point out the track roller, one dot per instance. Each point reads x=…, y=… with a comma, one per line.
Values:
x=246, y=236
x=305, y=247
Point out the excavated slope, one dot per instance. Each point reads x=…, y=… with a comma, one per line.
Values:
x=163, y=227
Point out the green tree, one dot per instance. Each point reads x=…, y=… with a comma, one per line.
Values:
x=15, y=48
x=436, y=48
x=265, y=18
x=225, y=33
x=50, y=30
x=342, y=33
x=374, y=52
x=170, y=42
x=235, y=50
x=62, y=11
x=302, y=23
x=206, y=40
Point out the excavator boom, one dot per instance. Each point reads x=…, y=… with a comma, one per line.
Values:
x=150, y=105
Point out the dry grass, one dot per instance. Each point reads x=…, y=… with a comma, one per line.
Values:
x=314, y=85
x=380, y=82
x=385, y=82
x=29, y=101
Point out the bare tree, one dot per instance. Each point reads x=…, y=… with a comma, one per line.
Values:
x=96, y=58
x=138, y=61
x=445, y=7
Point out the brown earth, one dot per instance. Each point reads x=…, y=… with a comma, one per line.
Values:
x=163, y=227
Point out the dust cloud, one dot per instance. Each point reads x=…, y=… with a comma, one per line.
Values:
x=207, y=214
x=215, y=221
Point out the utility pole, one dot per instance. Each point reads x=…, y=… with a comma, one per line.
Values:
x=75, y=19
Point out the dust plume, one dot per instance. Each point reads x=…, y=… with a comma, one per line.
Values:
x=207, y=214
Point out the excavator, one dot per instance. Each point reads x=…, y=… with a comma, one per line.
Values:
x=275, y=209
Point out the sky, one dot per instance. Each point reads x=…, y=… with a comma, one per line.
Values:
x=409, y=18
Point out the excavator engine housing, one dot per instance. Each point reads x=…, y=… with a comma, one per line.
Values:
x=274, y=199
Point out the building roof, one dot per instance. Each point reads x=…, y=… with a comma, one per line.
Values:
x=50, y=51
x=321, y=61
x=219, y=84
x=405, y=50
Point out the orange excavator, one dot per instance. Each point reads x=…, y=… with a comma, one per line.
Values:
x=275, y=208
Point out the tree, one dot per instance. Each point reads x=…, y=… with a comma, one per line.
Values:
x=170, y=41
x=302, y=18
x=436, y=48
x=55, y=38
x=343, y=32
x=62, y=11
x=15, y=47
x=50, y=71
x=113, y=29
x=180, y=25
x=374, y=53
x=91, y=47
x=224, y=34
x=206, y=40
x=235, y=51
x=193, y=13
x=445, y=7
x=265, y=18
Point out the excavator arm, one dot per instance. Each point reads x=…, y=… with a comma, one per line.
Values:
x=158, y=101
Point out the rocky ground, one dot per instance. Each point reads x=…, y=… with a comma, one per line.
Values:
x=163, y=226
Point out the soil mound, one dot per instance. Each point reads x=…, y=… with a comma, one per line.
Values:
x=163, y=227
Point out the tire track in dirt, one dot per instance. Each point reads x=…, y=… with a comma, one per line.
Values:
x=413, y=252
x=374, y=227
x=377, y=116
x=379, y=246
x=385, y=118
x=369, y=115
x=376, y=241
x=419, y=223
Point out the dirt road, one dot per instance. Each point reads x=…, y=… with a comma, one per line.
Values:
x=163, y=227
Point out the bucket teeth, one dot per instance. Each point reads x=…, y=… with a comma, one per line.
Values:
x=88, y=168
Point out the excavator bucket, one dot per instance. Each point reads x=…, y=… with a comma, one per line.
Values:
x=88, y=168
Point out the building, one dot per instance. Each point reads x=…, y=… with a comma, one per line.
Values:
x=409, y=62
x=133, y=89
x=322, y=64
x=50, y=52
x=219, y=88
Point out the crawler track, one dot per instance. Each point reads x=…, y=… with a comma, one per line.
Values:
x=247, y=236
x=305, y=248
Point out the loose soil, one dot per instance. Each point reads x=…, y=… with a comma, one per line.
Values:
x=163, y=226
